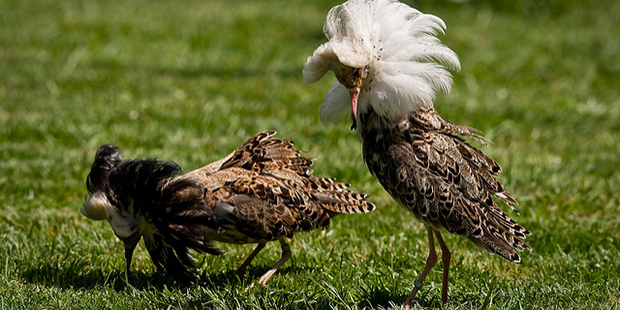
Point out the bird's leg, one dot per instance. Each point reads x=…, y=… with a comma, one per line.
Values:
x=246, y=263
x=430, y=262
x=286, y=254
x=128, y=257
x=130, y=244
x=445, y=258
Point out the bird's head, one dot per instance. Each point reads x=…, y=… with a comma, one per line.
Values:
x=96, y=204
x=105, y=202
x=385, y=56
x=352, y=78
x=143, y=198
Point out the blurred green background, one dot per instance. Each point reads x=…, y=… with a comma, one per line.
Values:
x=189, y=81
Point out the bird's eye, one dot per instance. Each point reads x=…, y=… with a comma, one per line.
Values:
x=356, y=73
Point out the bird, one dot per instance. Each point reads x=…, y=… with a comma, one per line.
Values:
x=262, y=191
x=390, y=65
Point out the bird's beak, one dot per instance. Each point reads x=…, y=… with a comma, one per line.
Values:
x=130, y=246
x=354, y=92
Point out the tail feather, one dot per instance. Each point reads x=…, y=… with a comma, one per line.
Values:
x=504, y=241
x=338, y=202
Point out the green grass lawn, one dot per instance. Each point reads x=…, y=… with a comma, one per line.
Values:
x=190, y=80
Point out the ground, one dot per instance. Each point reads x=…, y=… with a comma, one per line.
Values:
x=189, y=81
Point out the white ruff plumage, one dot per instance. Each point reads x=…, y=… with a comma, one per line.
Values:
x=390, y=65
x=405, y=63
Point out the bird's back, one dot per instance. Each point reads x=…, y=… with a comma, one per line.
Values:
x=265, y=190
x=445, y=182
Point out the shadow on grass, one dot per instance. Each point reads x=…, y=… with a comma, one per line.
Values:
x=73, y=278
x=80, y=276
x=390, y=298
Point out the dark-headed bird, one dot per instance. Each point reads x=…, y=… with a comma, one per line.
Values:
x=262, y=191
x=389, y=66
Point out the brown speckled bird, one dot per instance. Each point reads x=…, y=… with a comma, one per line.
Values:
x=261, y=192
x=389, y=65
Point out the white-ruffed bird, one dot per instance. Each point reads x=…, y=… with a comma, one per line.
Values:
x=389, y=65
x=262, y=191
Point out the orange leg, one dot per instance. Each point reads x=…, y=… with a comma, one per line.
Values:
x=445, y=258
x=246, y=263
x=430, y=262
x=286, y=254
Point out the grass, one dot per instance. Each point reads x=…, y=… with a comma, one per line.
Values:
x=189, y=81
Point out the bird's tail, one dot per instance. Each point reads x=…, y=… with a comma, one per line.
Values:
x=503, y=236
x=345, y=202
x=336, y=199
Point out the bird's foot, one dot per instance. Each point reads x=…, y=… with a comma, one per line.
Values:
x=251, y=286
x=263, y=280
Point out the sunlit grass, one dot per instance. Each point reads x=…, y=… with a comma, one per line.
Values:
x=189, y=81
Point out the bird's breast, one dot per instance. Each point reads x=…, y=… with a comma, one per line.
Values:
x=392, y=160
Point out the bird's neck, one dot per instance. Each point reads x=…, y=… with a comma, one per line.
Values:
x=371, y=126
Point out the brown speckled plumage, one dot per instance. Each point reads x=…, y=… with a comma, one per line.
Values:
x=390, y=64
x=446, y=183
x=261, y=192
x=272, y=193
x=425, y=165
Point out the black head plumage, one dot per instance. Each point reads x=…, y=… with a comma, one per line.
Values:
x=147, y=200
x=106, y=159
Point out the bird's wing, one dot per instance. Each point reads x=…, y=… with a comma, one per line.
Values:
x=267, y=189
x=260, y=153
x=264, y=207
x=267, y=206
x=447, y=184
x=264, y=154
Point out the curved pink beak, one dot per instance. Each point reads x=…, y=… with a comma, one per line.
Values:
x=355, y=92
